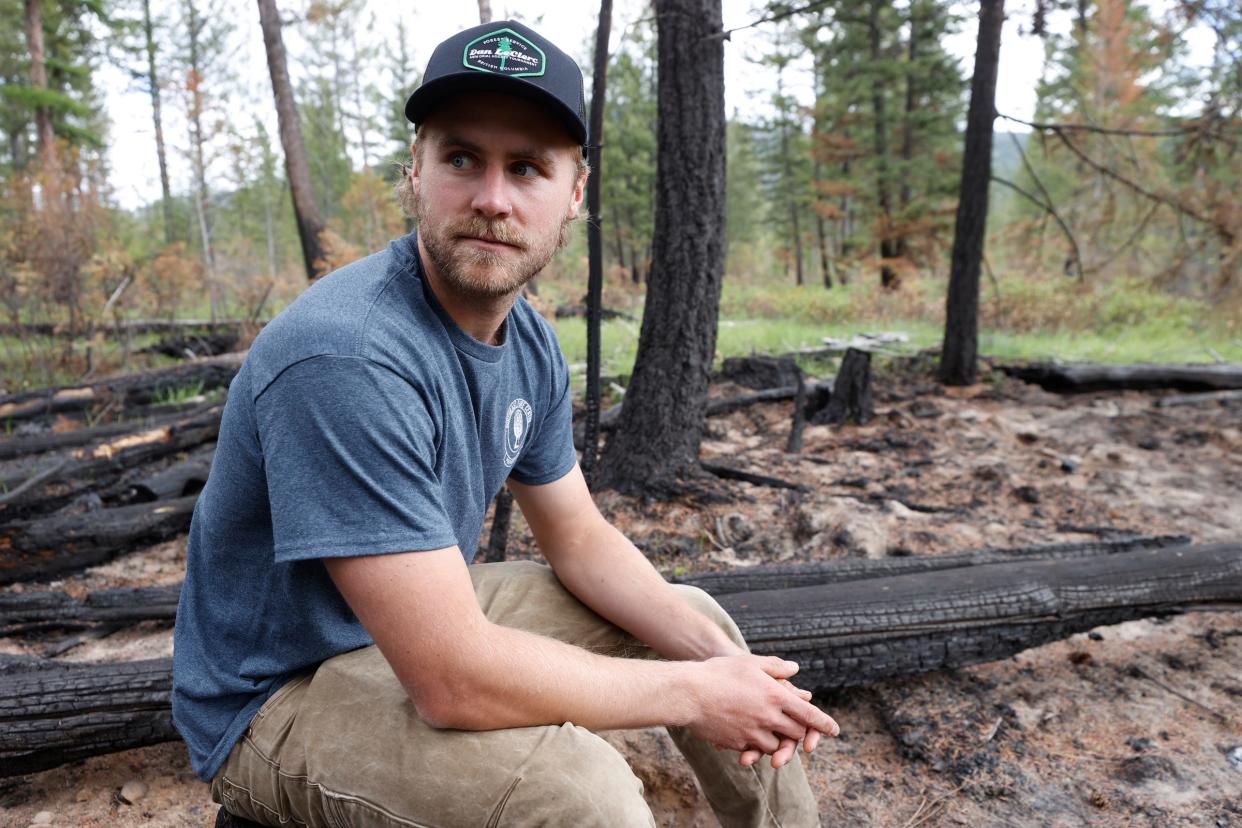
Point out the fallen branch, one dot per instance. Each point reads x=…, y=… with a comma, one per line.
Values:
x=1080, y=377
x=1198, y=399
x=843, y=570
x=730, y=473
x=842, y=634
x=48, y=547
x=132, y=389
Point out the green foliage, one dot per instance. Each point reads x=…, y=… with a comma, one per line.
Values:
x=628, y=184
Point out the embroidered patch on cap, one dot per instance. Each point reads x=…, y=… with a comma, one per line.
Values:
x=504, y=52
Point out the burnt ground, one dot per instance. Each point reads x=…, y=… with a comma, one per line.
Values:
x=1133, y=725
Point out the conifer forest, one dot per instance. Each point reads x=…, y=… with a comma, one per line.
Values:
x=911, y=330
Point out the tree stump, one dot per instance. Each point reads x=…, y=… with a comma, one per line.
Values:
x=851, y=392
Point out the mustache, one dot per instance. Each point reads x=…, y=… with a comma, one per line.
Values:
x=481, y=228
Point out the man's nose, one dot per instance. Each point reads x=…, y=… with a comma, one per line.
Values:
x=492, y=199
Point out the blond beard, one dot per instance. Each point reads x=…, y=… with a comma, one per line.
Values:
x=479, y=273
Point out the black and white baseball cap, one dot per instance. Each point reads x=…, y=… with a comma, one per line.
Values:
x=503, y=56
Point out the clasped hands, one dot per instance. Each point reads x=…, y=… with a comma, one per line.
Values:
x=749, y=705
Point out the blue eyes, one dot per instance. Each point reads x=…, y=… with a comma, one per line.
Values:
x=464, y=161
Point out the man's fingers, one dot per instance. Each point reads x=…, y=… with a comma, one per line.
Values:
x=777, y=668
x=812, y=716
x=811, y=740
x=805, y=695
x=785, y=753
x=749, y=757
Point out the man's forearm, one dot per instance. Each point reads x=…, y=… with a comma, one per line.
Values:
x=608, y=574
x=505, y=677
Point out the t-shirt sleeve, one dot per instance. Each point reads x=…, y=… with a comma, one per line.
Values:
x=551, y=453
x=349, y=452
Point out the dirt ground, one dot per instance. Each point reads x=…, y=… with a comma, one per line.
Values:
x=1133, y=725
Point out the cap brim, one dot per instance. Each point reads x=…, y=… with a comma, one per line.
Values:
x=428, y=96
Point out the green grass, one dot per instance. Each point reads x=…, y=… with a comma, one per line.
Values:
x=178, y=394
x=1117, y=323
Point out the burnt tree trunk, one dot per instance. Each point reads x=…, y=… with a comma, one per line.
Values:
x=595, y=241
x=55, y=716
x=1082, y=377
x=46, y=548
x=23, y=613
x=851, y=392
x=959, y=357
x=310, y=223
x=157, y=117
x=133, y=389
x=844, y=634
x=661, y=424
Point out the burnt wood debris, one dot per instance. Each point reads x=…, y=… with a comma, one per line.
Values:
x=842, y=633
x=128, y=471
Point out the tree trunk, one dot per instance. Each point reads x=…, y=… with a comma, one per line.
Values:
x=38, y=80
x=42, y=549
x=595, y=240
x=202, y=207
x=907, y=126
x=843, y=570
x=959, y=356
x=888, y=248
x=75, y=712
x=787, y=167
x=662, y=421
x=157, y=117
x=843, y=634
x=133, y=389
x=310, y=223
x=485, y=11
x=23, y=613
x=1074, y=378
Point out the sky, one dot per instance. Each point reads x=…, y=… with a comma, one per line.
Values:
x=748, y=87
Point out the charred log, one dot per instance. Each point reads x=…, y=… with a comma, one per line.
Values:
x=51, y=717
x=842, y=570
x=96, y=467
x=52, y=546
x=851, y=392
x=1077, y=378
x=130, y=389
x=843, y=634
x=23, y=613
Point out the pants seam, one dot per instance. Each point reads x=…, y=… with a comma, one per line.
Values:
x=504, y=800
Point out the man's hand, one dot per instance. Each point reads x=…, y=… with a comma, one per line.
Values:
x=746, y=703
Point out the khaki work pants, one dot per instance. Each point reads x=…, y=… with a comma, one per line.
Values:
x=344, y=748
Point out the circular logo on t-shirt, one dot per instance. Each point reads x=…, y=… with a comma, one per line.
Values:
x=517, y=425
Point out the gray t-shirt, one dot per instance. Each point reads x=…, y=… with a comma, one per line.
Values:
x=364, y=421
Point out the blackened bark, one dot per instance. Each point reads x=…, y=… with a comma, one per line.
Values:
x=959, y=357
x=153, y=81
x=842, y=634
x=310, y=223
x=662, y=420
x=851, y=392
x=498, y=536
x=595, y=241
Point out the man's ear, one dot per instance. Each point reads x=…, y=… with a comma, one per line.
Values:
x=575, y=201
x=414, y=170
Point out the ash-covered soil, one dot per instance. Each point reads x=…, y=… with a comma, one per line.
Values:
x=1133, y=725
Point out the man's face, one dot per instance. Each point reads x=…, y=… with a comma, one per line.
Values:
x=496, y=183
